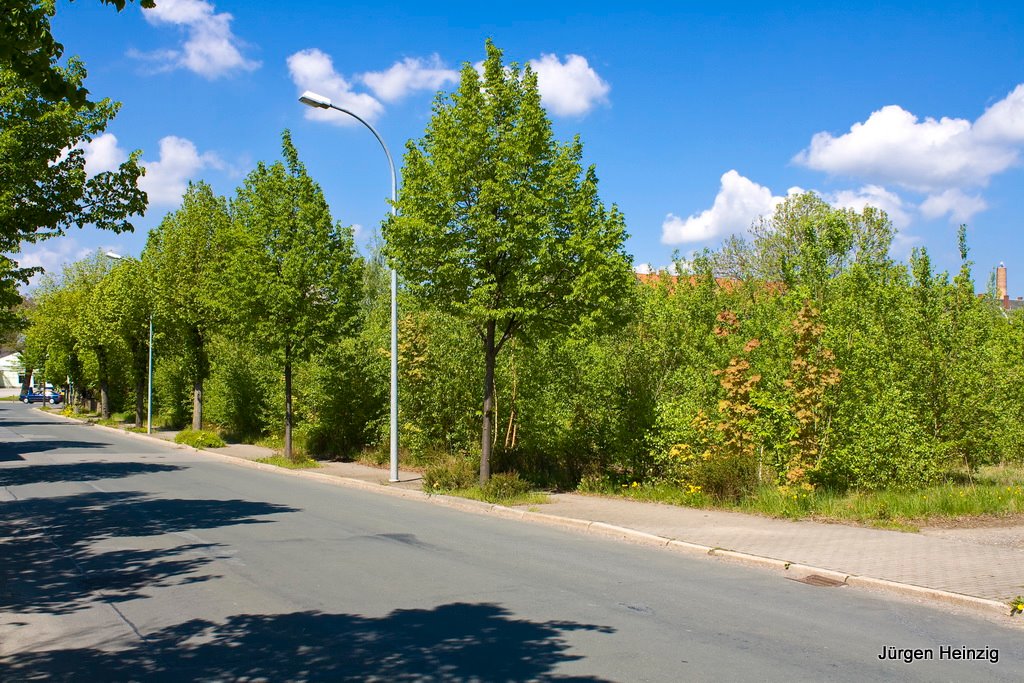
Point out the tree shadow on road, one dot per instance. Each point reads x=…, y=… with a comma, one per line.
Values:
x=49, y=562
x=80, y=471
x=14, y=450
x=453, y=642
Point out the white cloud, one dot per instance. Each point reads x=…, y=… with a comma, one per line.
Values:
x=876, y=196
x=930, y=155
x=959, y=205
x=313, y=70
x=407, y=75
x=739, y=202
x=1004, y=120
x=903, y=243
x=165, y=180
x=103, y=154
x=51, y=255
x=643, y=269
x=569, y=88
x=211, y=49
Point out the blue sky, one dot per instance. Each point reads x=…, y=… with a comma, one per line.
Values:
x=698, y=116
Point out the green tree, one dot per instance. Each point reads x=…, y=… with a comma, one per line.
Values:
x=187, y=256
x=293, y=276
x=124, y=306
x=45, y=117
x=64, y=332
x=96, y=327
x=499, y=224
x=29, y=50
x=45, y=188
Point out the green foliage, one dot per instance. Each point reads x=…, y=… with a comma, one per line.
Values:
x=293, y=278
x=504, y=486
x=243, y=392
x=339, y=399
x=499, y=225
x=905, y=509
x=818, y=374
x=199, y=438
x=45, y=187
x=185, y=259
x=449, y=474
x=290, y=463
x=28, y=48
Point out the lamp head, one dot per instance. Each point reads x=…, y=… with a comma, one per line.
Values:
x=113, y=255
x=313, y=99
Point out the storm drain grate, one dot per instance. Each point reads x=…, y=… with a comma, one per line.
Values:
x=818, y=580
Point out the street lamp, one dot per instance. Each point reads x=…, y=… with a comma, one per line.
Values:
x=149, y=397
x=318, y=101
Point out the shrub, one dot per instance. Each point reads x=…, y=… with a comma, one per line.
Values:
x=450, y=474
x=199, y=439
x=504, y=486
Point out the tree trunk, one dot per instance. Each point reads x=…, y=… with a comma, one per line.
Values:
x=202, y=370
x=197, y=403
x=140, y=388
x=288, y=401
x=490, y=354
x=101, y=358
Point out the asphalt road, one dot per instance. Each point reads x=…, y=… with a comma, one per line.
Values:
x=126, y=560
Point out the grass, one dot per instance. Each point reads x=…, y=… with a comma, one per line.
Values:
x=993, y=492
x=199, y=438
x=288, y=463
x=476, y=493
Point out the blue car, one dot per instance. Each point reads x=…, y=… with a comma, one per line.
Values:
x=41, y=396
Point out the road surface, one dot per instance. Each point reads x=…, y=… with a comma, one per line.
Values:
x=122, y=559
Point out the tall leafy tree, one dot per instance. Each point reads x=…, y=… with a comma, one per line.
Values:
x=46, y=188
x=65, y=333
x=45, y=118
x=500, y=224
x=294, y=277
x=124, y=306
x=96, y=329
x=29, y=50
x=186, y=256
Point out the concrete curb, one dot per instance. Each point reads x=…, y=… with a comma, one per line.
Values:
x=791, y=570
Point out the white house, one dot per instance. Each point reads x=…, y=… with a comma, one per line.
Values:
x=12, y=370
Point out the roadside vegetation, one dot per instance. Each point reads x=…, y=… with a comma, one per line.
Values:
x=292, y=463
x=800, y=371
x=199, y=438
x=993, y=494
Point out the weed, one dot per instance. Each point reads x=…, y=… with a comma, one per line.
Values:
x=504, y=486
x=449, y=474
x=1017, y=605
x=199, y=438
x=298, y=464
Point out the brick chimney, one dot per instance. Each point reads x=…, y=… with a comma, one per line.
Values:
x=1001, y=285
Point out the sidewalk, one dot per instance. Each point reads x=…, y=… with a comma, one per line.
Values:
x=975, y=568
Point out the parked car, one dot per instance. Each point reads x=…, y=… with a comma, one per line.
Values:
x=41, y=396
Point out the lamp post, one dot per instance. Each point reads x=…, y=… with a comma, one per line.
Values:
x=149, y=386
x=313, y=99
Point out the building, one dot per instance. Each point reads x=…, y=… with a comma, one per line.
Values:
x=1007, y=303
x=12, y=370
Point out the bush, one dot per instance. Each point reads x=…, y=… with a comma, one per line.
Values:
x=504, y=486
x=450, y=474
x=199, y=439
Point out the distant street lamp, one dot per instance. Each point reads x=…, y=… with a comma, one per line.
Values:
x=313, y=99
x=149, y=397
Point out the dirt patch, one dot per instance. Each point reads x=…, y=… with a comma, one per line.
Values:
x=974, y=522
